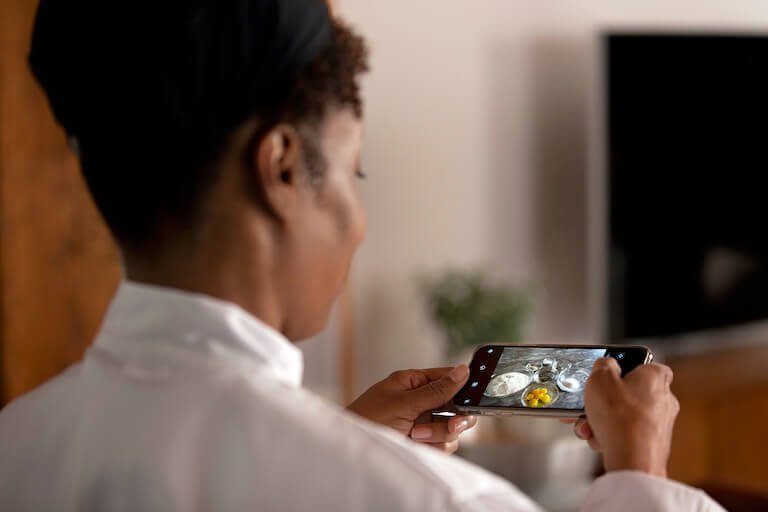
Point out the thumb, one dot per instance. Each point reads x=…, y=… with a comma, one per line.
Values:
x=437, y=392
x=604, y=381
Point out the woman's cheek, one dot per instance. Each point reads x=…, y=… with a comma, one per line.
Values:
x=353, y=222
x=361, y=224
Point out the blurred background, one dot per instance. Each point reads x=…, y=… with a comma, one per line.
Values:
x=599, y=160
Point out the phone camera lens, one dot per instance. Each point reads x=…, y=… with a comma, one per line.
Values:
x=475, y=384
x=467, y=400
x=620, y=356
x=490, y=351
x=482, y=367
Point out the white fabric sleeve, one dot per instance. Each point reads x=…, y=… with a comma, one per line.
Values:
x=500, y=503
x=633, y=491
x=625, y=491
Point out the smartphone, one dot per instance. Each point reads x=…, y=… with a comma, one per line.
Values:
x=537, y=380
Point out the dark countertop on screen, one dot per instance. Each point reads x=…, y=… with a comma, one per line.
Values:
x=516, y=359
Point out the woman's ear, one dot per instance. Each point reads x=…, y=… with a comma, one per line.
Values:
x=276, y=166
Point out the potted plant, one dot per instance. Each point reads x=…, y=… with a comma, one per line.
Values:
x=471, y=309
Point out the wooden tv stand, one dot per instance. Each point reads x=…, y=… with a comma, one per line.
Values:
x=720, y=436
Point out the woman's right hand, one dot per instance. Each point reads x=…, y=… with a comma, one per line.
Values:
x=630, y=420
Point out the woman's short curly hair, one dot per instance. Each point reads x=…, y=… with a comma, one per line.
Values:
x=331, y=80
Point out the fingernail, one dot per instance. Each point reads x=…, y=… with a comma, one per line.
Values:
x=459, y=373
x=421, y=433
x=462, y=426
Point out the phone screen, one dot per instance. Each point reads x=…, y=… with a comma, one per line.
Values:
x=538, y=377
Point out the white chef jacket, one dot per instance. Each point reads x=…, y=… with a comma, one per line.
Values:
x=188, y=403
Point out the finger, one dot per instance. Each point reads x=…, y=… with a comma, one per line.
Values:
x=592, y=442
x=442, y=431
x=657, y=377
x=607, y=365
x=448, y=448
x=605, y=378
x=460, y=424
x=437, y=392
x=412, y=379
x=568, y=421
x=582, y=430
x=675, y=404
x=434, y=433
x=665, y=373
x=435, y=373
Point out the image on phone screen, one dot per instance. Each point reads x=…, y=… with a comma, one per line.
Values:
x=526, y=377
x=552, y=378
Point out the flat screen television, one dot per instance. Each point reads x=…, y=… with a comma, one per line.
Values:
x=686, y=127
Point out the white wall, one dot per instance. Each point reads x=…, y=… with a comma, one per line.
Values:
x=475, y=150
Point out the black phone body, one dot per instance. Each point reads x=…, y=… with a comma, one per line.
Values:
x=537, y=380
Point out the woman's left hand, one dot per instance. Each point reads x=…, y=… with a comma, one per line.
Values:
x=405, y=400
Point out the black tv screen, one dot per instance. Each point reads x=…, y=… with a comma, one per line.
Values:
x=687, y=160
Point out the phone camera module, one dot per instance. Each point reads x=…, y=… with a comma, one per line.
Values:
x=620, y=356
x=490, y=351
x=482, y=367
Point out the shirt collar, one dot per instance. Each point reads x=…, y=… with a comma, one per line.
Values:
x=142, y=314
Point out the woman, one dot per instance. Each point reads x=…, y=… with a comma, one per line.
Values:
x=221, y=142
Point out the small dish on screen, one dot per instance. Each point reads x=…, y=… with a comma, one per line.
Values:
x=572, y=381
x=540, y=395
x=533, y=366
x=507, y=384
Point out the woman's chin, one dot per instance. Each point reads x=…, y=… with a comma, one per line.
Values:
x=310, y=329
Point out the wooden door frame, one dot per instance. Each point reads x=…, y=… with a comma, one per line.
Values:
x=4, y=17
